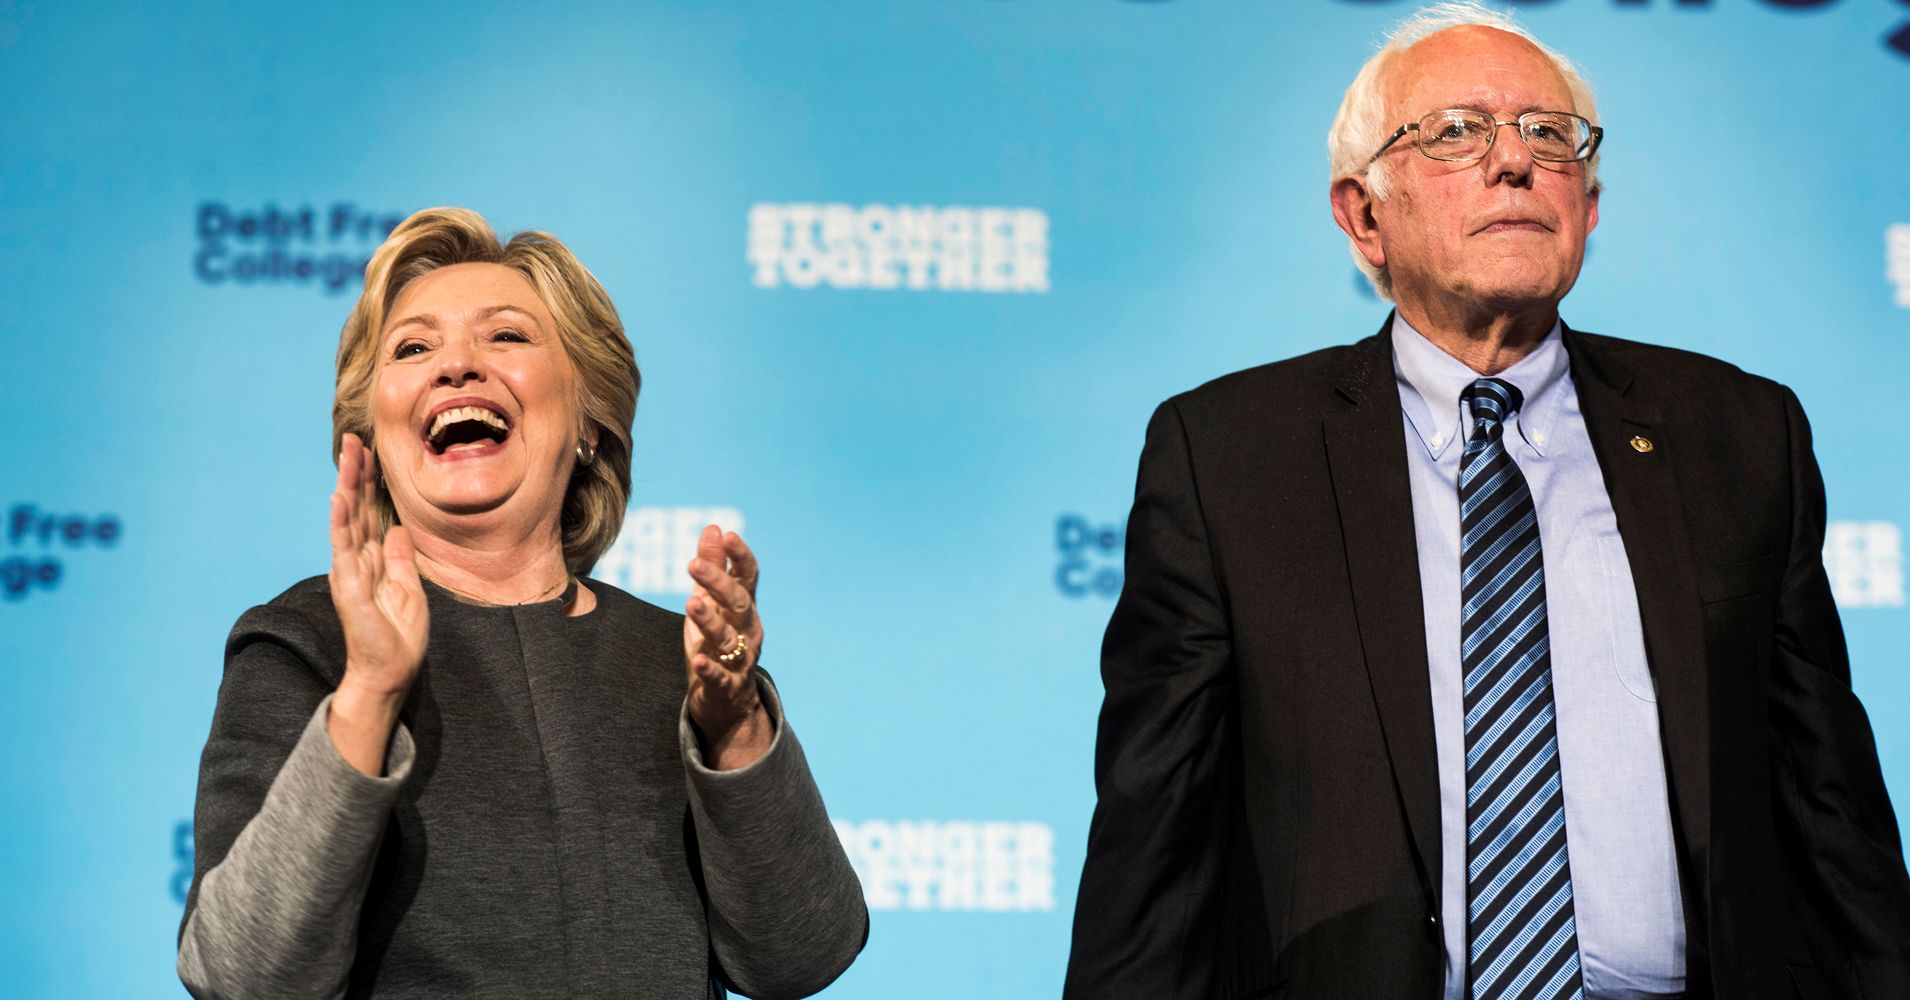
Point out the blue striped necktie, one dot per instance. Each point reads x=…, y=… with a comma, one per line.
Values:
x=1522, y=937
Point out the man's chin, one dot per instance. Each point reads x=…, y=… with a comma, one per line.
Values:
x=1520, y=302
x=1518, y=293
x=1476, y=310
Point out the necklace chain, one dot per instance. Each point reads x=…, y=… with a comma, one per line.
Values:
x=546, y=592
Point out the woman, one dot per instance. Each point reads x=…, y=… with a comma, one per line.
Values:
x=454, y=767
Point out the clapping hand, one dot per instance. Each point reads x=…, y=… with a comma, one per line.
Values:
x=722, y=638
x=381, y=606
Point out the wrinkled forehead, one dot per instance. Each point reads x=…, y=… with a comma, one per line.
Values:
x=1474, y=67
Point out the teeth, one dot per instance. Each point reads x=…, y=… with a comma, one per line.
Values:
x=457, y=413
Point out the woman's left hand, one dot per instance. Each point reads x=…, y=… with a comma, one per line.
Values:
x=722, y=637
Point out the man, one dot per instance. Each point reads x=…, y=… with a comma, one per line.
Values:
x=1484, y=657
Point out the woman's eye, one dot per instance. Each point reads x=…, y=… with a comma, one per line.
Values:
x=513, y=336
x=407, y=349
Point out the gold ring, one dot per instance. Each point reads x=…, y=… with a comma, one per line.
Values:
x=742, y=647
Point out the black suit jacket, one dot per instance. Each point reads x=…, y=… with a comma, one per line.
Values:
x=1268, y=814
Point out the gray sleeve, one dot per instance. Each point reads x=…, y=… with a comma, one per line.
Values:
x=278, y=916
x=785, y=909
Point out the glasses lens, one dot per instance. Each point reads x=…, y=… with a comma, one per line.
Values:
x=1554, y=136
x=1455, y=135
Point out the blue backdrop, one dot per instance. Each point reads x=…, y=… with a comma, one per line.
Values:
x=942, y=257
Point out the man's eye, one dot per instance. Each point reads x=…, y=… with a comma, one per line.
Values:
x=408, y=348
x=1454, y=128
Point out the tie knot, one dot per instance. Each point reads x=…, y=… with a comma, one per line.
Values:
x=1492, y=399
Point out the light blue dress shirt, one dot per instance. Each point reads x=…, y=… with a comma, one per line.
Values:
x=1617, y=814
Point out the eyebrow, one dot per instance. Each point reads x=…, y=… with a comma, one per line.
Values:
x=1484, y=110
x=490, y=311
x=430, y=321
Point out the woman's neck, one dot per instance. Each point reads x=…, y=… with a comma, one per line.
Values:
x=520, y=570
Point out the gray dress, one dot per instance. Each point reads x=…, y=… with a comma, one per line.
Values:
x=545, y=826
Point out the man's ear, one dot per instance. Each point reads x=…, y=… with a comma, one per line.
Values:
x=1353, y=210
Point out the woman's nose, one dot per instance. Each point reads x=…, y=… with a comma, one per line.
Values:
x=458, y=364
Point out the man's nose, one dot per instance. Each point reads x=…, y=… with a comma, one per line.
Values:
x=1508, y=160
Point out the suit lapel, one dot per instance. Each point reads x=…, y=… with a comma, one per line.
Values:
x=1366, y=454
x=1643, y=485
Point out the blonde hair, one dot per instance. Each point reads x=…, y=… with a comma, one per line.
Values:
x=1360, y=126
x=587, y=326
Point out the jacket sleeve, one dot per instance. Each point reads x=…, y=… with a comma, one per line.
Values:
x=285, y=829
x=1147, y=918
x=785, y=909
x=1833, y=810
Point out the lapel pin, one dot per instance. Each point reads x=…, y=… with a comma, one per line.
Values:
x=1641, y=445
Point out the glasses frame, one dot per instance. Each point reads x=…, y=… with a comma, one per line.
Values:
x=1591, y=148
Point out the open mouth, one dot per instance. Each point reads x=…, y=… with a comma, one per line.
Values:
x=466, y=428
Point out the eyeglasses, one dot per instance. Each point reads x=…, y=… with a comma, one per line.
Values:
x=1458, y=134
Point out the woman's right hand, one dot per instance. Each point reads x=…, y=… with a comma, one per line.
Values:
x=381, y=604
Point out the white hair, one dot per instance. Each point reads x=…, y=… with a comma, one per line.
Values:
x=1360, y=126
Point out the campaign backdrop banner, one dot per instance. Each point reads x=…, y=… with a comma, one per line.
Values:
x=905, y=280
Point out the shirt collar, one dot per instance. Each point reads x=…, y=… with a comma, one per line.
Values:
x=1431, y=381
